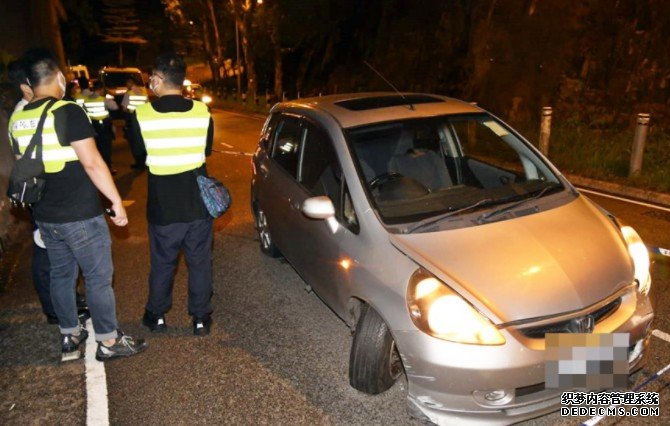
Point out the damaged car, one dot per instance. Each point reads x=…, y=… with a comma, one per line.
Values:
x=448, y=244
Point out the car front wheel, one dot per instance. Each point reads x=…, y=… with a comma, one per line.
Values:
x=374, y=362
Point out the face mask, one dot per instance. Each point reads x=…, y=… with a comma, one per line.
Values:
x=152, y=85
x=61, y=83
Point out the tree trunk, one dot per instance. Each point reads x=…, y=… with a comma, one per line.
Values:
x=215, y=27
x=279, y=65
x=208, y=53
x=279, y=73
x=249, y=58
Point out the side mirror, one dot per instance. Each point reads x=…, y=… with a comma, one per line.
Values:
x=321, y=207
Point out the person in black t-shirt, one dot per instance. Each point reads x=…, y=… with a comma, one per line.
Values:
x=40, y=266
x=69, y=214
x=176, y=213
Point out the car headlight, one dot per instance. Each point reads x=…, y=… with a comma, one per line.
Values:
x=640, y=255
x=439, y=311
x=207, y=99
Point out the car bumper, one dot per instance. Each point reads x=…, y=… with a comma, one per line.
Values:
x=448, y=381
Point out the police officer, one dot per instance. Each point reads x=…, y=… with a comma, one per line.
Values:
x=40, y=266
x=135, y=96
x=177, y=134
x=69, y=214
x=97, y=107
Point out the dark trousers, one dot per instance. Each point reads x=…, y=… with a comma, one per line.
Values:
x=166, y=241
x=104, y=138
x=41, y=269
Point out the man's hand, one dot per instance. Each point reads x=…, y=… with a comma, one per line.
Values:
x=120, y=217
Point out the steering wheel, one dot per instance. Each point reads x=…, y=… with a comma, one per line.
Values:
x=383, y=178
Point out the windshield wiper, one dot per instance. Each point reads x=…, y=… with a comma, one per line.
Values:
x=432, y=220
x=531, y=196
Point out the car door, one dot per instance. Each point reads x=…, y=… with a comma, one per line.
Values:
x=321, y=256
x=278, y=186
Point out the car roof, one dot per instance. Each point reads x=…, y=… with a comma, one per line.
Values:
x=358, y=109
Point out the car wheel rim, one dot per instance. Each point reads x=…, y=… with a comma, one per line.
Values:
x=395, y=364
x=263, y=232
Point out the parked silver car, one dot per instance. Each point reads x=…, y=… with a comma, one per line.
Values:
x=448, y=244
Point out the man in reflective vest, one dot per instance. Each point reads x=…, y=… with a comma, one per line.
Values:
x=135, y=96
x=69, y=214
x=177, y=135
x=40, y=266
x=97, y=107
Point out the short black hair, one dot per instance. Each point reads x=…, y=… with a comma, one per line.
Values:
x=98, y=85
x=16, y=73
x=173, y=68
x=40, y=65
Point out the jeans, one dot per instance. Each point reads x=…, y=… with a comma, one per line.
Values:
x=41, y=277
x=85, y=244
x=166, y=241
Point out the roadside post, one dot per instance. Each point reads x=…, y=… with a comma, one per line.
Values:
x=545, y=130
x=639, y=140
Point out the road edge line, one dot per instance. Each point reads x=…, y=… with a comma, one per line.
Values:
x=97, y=409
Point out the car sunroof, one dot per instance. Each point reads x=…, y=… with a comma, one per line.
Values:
x=375, y=102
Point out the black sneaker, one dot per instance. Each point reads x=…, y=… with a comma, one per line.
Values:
x=155, y=323
x=201, y=327
x=69, y=344
x=83, y=314
x=124, y=346
x=81, y=301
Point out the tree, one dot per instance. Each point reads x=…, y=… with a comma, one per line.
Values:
x=243, y=12
x=121, y=24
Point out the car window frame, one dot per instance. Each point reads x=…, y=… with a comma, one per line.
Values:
x=343, y=187
x=273, y=145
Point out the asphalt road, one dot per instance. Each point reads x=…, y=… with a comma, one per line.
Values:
x=276, y=355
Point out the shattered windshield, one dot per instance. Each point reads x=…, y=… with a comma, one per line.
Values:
x=417, y=170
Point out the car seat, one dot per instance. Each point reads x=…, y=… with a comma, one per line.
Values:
x=424, y=165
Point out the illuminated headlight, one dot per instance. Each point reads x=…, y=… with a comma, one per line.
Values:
x=108, y=96
x=638, y=252
x=207, y=99
x=437, y=310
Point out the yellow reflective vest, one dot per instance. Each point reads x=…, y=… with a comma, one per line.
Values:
x=22, y=127
x=95, y=107
x=175, y=141
x=135, y=100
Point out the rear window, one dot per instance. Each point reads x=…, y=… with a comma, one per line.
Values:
x=119, y=79
x=386, y=101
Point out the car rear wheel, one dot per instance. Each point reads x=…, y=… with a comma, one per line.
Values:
x=267, y=245
x=374, y=362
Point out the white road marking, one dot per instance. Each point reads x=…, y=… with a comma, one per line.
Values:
x=661, y=335
x=227, y=145
x=97, y=410
x=627, y=200
x=253, y=117
x=248, y=154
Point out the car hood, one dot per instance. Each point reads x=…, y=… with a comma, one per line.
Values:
x=547, y=263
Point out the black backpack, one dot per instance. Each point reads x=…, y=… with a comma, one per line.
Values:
x=25, y=182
